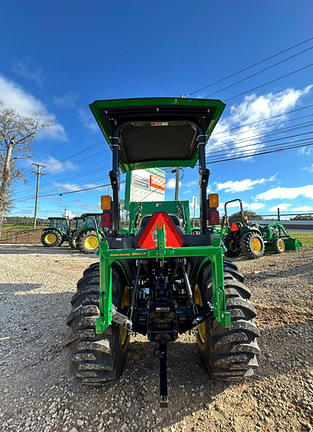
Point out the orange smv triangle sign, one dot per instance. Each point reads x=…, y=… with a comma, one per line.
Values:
x=173, y=238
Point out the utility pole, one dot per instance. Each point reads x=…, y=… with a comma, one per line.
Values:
x=177, y=170
x=177, y=184
x=38, y=173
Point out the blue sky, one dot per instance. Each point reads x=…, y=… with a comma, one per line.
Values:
x=57, y=58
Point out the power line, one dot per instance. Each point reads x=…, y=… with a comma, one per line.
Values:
x=214, y=135
x=261, y=153
x=249, y=67
x=271, y=81
x=274, y=132
x=259, y=72
x=240, y=151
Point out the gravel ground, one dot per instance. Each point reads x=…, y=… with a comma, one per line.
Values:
x=38, y=392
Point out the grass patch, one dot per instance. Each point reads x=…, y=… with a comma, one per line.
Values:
x=305, y=238
x=17, y=227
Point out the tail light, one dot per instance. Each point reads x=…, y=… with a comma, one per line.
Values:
x=214, y=217
x=106, y=220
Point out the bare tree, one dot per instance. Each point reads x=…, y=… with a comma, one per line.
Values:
x=17, y=133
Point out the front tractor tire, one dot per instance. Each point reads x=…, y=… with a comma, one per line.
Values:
x=252, y=245
x=228, y=354
x=279, y=246
x=51, y=238
x=88, y=242
x=97, y=359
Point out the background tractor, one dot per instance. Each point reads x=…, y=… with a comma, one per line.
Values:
x=86, y=238
x=56, y=233
x=252, y=240
x=159, y=279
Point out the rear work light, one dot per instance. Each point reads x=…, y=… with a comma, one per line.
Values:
x=106, y=220
x=214, y=217
x=105, y=202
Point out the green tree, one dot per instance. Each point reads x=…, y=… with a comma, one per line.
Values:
x=236, y=217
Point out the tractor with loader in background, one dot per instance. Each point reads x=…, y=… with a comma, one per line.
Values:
x=158, y=278
x=253, y=239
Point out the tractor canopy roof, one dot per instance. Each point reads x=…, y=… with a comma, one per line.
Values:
x=157, y=132
x=57, y=217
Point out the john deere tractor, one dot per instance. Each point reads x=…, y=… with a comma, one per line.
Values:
x=56, y=233
x=159, y=279
x=252, y=239
x=86, y=238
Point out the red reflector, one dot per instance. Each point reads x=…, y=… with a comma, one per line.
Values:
x=106, y=220
x=234, y=227
x=173, y=239
x=214, y=217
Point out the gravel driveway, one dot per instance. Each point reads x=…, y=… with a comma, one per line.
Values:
x=38, y=392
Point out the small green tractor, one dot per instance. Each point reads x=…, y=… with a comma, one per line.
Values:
x=56, y=233
x=253, y=240
x=85, y=238
x=158, y=278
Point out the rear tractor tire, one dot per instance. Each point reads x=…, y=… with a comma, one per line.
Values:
x=279, y=246
x=252, y=245
x=97, y=359
x=88, y=243
x=228, y=354
x=51, y=238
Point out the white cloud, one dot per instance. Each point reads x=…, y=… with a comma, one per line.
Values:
x=87, y=120
x=87, y=206
x=242, y=185
x=66, y=101
x=54, y=166
x=308, y=168
x=281, y=206
x=256, y=206
x=15, y=97
x=171, y=183
x=71, y=187
x=306, y=151
x=246, y=206
x=303, y=208
x=289, y=193
x=246, y=140
x=29, y=70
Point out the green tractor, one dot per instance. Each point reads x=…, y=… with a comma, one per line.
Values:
x=159, y=279
x=253, y=240
x=76, y=224
x=86, y=238
x=56, y=233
